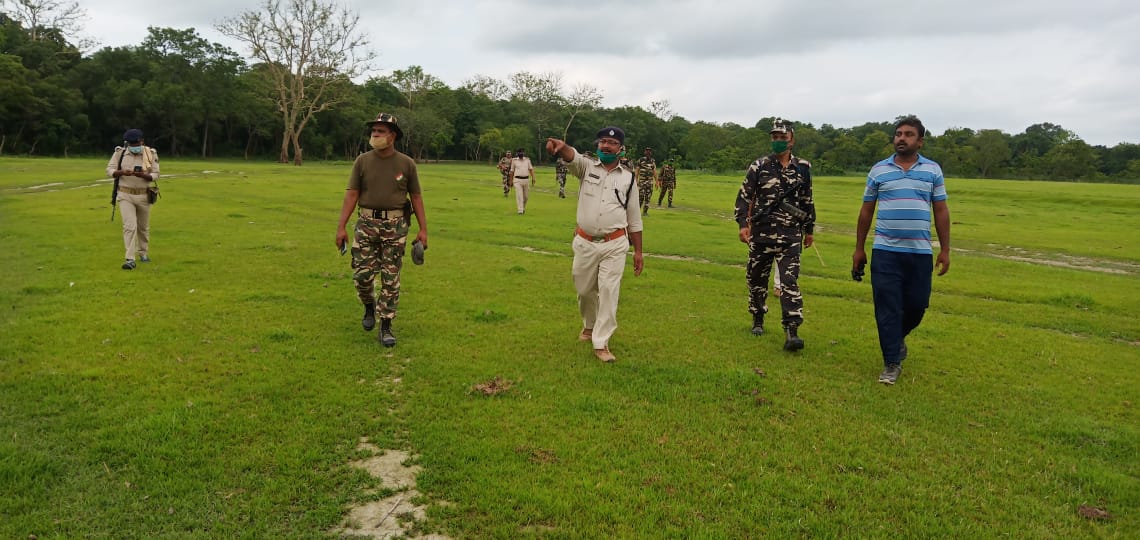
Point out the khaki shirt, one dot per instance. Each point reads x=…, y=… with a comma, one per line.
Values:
x=521, y=167
x=601, y=194
x=384, y=182
x=148, y=160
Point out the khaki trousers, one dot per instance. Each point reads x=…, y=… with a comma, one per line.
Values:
x=522, y=193
x=135, y=212
x=597, y=271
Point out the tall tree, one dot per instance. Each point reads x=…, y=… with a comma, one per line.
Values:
x=311, y=50
x=993, y=150
x=39, y=15
x=413, y=83
x=583, y=97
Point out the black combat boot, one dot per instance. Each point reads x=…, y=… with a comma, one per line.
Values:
x=757, y=324
x=386, y=336
x=369, y=320
x=793, y=341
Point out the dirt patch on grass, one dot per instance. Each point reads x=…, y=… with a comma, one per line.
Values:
x=1059, y=260
x=493, y=387
x=396, y=515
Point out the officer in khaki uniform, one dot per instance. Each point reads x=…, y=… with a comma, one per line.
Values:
x=135, y=166
x=608, y=222
x=386, y=188
x=522, y=174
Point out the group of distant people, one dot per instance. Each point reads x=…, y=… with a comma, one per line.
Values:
x=774, y=210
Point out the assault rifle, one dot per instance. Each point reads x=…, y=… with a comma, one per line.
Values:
x=115, y=189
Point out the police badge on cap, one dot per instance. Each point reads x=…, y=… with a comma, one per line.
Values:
x=612, y=132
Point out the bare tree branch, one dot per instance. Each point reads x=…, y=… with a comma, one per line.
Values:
x=311, y=51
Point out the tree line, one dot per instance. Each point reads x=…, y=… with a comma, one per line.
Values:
x=196, y=98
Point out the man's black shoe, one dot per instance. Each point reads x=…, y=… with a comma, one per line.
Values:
x=369, y=320
x=793, y=341
x=758, y=324
x=890, y=374
x=386, y=337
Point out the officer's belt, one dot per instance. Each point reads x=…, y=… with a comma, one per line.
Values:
x=521, y=177
x=133, y=190
x=603, y=238
x=381, y=214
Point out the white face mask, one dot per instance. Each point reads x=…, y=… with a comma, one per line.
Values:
x=378, y=142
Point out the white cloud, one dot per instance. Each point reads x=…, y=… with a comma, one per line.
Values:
x=970, y=63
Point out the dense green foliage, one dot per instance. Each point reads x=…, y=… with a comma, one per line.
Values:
x=196, y=98
x=220, y=391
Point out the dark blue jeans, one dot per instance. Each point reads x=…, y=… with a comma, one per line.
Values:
x=901, y=286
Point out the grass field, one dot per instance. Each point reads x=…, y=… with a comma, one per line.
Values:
x=221, y=391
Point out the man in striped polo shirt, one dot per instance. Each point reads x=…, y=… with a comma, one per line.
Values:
x=907, y=188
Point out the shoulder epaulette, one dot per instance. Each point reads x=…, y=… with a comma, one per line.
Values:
x=804, y=161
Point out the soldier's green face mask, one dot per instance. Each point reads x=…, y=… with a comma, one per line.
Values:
x=779, y=147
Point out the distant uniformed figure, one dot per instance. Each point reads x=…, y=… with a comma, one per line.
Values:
x=385, y=186
x=522, y=174
x=646, y=177
x=667, y=182
x=776, y=214
x=560, y=176
x=505, y=169
x=134, y=166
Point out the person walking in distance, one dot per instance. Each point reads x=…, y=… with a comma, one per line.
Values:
x=134, y=165
x=906, y=189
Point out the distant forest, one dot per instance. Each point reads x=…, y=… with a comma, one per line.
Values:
x=194, y=98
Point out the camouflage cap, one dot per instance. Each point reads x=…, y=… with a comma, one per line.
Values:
x=390, y=121
x=780, y=125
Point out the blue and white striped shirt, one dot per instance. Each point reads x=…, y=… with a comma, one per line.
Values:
x=904, y=201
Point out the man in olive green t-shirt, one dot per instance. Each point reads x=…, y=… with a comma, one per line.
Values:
x=385, y=187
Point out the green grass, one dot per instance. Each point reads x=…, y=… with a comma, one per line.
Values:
x=220, y=391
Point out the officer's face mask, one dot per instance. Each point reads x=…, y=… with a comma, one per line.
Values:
x=378, y=142
x=779, y=147
x=135, y=149
x=606, y=157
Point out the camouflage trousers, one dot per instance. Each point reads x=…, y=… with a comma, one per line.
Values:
x=506, y=183
x=561, y=179
x=378, y=249
x=759, y=268
x=666, y=185
x=645, y=192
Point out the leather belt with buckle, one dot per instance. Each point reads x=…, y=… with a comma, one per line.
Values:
x=381, y=214
x=603, y=238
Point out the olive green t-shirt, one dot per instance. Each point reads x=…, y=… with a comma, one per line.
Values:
x=384, y=182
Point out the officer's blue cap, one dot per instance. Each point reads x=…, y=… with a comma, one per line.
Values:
x=612, y=132
x=133, y=135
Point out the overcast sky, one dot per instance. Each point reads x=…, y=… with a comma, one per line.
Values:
x=981, y=64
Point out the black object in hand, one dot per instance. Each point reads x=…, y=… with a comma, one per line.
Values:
x=138, y=168
x=857, y=273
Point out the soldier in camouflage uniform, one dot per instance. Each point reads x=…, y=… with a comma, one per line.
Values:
x=776, y=215
x=646, y=177
x=505, y=168
x=386, y=187
x=667, y=182
x=560, y=176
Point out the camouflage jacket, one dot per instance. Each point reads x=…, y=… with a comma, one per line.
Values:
x=765, y=187
x=668, y=174
x=560, y=167
x=505, y=164
x=646, y=169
